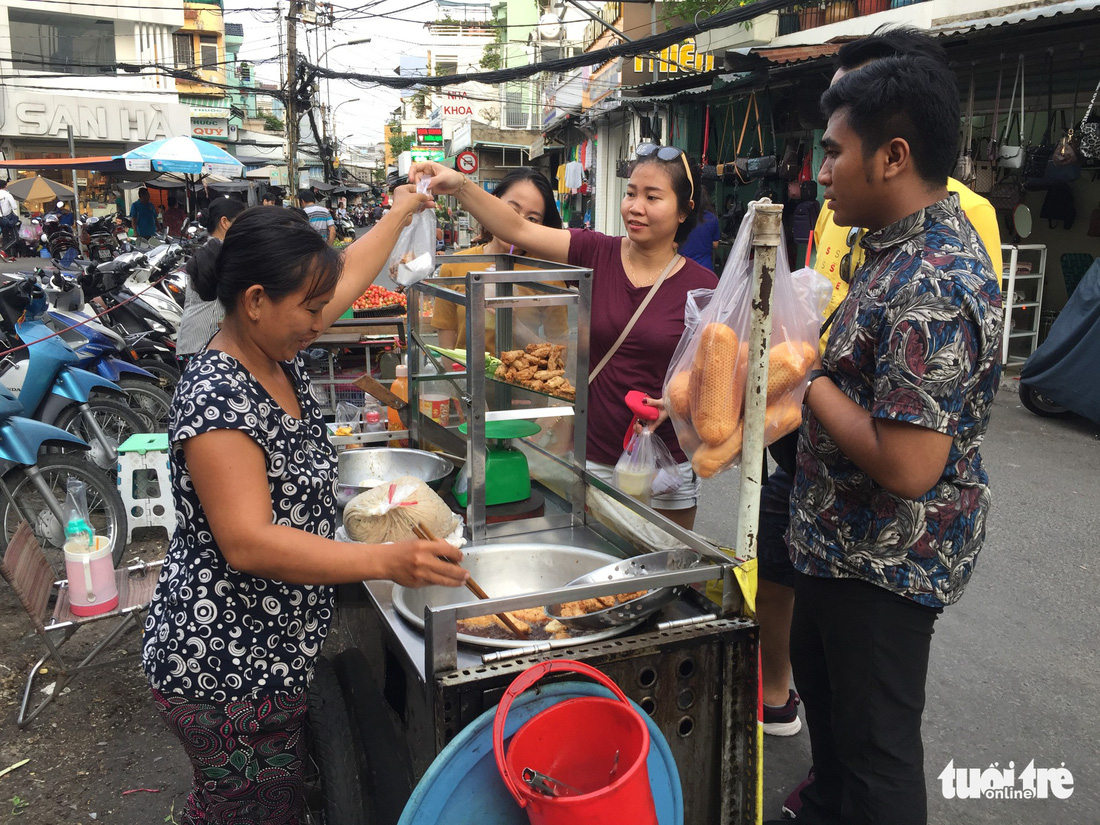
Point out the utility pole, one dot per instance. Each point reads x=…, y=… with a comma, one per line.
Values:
x=292, y=100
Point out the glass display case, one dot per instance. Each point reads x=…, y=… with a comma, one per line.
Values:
x=513, y=400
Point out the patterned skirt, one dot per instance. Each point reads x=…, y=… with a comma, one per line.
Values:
x=247, y=756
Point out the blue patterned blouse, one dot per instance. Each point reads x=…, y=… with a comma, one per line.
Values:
x=214, y=633
x=916, y=340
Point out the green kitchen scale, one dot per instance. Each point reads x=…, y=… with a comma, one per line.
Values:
x=507, y=474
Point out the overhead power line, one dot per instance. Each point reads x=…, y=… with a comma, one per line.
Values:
x=634, y=48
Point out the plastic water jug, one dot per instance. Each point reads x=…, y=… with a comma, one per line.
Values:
x=91, y=572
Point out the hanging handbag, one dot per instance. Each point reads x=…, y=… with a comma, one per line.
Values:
x=1011, y=156
x=964, y=164
x=1006, y=195
x=1088, y=133
x=791, y=164
x=1065, y=153
x=991, y=151
x=807, y=183
x=746, y=169
x=707, y=170
x=1036, y=158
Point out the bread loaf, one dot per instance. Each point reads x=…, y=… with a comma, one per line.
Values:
x=709, y=460
x=679, y=395
x=788, y=364
x=780, y=419
x=713, y=383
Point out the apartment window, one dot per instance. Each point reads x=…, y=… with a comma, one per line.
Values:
x=61, y=43
x=208, y=51
x=446, y=65
x=184, y=48
x=515, y=113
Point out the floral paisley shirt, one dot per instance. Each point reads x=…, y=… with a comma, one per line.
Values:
x=214, y=633
x=916, y=340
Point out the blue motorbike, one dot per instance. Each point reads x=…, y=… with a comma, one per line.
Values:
x=103, y=351
x=34, y=483
x=49, y=385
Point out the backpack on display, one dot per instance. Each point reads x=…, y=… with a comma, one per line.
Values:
x=804, y=220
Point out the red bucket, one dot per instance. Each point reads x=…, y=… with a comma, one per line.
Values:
x=580, y=761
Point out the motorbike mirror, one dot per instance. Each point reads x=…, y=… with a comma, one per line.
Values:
x=1021, y=221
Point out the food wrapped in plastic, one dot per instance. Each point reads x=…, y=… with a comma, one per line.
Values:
x=390, y=511
x=706, y=382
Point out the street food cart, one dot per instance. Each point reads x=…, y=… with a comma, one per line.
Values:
x=412, y=679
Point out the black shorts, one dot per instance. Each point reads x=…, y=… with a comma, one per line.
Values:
x=773, y=557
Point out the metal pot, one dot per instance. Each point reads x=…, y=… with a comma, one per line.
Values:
x=509, y=570
x=386, y=464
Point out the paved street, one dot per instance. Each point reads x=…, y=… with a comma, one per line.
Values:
x=1015, y=673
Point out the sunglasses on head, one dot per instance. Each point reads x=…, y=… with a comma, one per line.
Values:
x=666, y=153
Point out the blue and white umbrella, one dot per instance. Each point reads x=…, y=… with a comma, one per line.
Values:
x=182, y=155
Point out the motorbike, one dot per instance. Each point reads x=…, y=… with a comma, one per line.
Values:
x=44, y=376
x=35, y=483
x=103, y=351
x=60, y=240
x=345, y=229
x=99, y=239
x=1059, y=378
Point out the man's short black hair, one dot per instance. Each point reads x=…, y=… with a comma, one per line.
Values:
x=306, y=196
x=889, y=41
x=913, y=98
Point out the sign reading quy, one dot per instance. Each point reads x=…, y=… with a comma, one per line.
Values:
x=29, y=114
x=429, y=136
x=419, y=155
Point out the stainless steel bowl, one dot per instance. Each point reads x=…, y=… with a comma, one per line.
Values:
x=508, y=570
x=386, y=464
x=633, y=611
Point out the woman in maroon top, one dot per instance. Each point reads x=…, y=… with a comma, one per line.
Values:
x=658, y=211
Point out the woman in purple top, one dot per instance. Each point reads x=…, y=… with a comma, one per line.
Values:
x=659, y=211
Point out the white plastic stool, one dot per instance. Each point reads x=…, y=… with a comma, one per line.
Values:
x=143, y=482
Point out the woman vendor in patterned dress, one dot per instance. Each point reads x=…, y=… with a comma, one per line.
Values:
x=245, y=598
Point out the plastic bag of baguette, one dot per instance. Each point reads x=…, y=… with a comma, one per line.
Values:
x=413, y=256
x=705, y=385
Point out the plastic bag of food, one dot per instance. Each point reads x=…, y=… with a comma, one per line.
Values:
x=705, y=385
x=347, y=419
x=390, y=511
x=646, y=467
x=413, y=256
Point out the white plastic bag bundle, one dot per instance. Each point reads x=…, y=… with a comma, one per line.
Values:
x=390, y=511
x=413, y=256
x=706, y=381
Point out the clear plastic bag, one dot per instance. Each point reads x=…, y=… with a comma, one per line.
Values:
x=79, y=536
x=413, y=256
x=646, y=467
x=706, y=381
x=347, y=418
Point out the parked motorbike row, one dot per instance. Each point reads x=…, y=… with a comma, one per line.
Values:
x=73, y=387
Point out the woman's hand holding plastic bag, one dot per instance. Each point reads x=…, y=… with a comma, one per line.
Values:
x=706, y=382
x=413, y=256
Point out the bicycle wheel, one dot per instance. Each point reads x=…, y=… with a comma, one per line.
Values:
x=149, y=401
x=118, y=423
x=106, y=511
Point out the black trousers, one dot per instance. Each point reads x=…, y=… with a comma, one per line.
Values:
x=860, y=660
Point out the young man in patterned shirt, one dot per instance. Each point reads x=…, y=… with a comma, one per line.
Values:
x=890, y=497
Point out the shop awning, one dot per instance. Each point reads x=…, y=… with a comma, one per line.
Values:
x=102, y=163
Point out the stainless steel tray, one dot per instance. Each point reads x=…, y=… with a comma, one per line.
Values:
x=510, y=570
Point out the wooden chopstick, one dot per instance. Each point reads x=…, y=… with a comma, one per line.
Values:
x=422, y=532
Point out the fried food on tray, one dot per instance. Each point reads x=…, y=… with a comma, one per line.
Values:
x=539, y=367
x=534, y=620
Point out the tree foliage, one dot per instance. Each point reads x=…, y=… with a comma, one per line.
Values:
x=400, y=143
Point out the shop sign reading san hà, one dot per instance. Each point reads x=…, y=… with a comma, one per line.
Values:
x=33, y=115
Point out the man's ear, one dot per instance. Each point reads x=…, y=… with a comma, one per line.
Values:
x=896, y=158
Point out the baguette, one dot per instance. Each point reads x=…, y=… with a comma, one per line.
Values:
x=780, y=419
x=788, y=364
x=713, y=378
x=710, y=460
x=679, y=395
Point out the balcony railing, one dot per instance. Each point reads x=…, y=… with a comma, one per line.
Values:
x=805, y=16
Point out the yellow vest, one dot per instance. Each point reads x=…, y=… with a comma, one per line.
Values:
x=832, y=241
